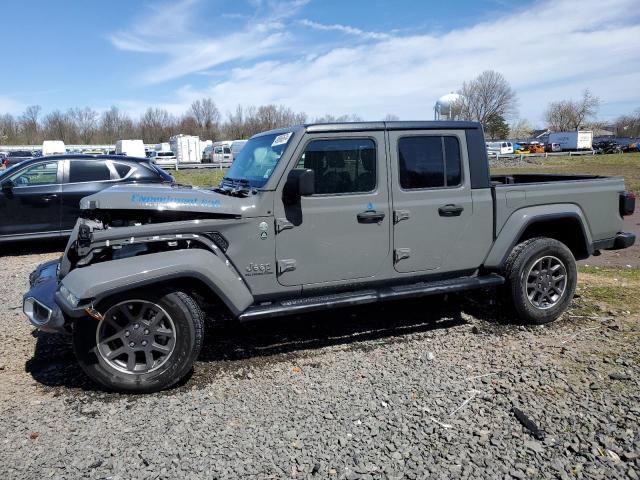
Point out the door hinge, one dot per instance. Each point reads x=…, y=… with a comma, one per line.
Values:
x=399, y=215
x=401, y=254
x=283, y=224
x=286, y=265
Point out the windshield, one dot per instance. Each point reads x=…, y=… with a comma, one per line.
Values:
x=257, y=160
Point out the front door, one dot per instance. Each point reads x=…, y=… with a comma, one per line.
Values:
x=434, y=218
x=341, y=233
x=32, y=203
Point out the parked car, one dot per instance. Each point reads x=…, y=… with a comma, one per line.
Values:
x=40, y=198
x=552, y=147
x=312, y=218
x=164, y=158
x=17, y=156
x=502, y=148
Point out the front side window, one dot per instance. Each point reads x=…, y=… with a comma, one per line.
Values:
x=88, y=171
x=341, y=165
x=40, y=174
x=256, y=161
x=429, y=162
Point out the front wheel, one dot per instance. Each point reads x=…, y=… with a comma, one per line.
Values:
x=541, y=279
x=144, y=342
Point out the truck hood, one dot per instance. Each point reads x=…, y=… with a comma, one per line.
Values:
x=171, y=198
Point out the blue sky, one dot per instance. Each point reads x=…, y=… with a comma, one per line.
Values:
x=369, y=58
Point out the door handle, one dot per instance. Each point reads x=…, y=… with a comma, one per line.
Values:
x=450, y=211
x=48, y=198
x=370, y=216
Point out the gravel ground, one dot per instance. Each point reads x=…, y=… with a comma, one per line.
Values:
x=408, y=390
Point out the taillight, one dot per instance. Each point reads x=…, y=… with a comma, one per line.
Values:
x=627, y=203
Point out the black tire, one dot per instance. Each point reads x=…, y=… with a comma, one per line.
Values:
x=525, y=289
x=178, y=312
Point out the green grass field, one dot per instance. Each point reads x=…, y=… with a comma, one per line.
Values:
x=201, y=178
x=626, y=165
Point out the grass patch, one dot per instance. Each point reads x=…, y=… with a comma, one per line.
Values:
x=626, y=165
x=200, y=178
x=608, y=289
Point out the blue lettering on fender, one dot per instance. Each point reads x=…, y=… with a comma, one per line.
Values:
x=175, y=201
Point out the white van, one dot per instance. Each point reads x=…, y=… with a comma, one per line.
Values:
x=222, y=152
x=53, y=147
x=501, y=148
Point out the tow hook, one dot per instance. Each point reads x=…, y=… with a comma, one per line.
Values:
x=93, y=313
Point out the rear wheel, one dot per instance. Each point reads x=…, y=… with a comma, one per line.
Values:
x=541, y=279
x=144, y=343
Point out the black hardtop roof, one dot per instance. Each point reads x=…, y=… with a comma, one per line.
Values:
x=367, y=126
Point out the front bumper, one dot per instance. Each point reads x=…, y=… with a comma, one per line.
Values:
x=39, y=303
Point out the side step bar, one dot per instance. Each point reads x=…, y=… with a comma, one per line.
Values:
x=362, y=297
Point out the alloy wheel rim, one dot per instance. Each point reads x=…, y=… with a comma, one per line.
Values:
x=136, y=337
x=546, y=282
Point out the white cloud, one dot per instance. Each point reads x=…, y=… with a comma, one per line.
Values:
x=169, y=31
x=548, y=51
x=344, y=29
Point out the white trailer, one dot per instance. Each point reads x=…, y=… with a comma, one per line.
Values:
x=53, y=147
x=130, y=148
x=571, y=141
x=186, y=148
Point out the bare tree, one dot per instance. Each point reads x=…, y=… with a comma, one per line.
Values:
x=207, y=117
x=390, y=117
x=350, y=117
x=9, y=129
x=520, y=129
x=115, y=125
x=156, y=125
x=29, y=124
x=59, y=126
x=86, y=123
x=486, y=95
x=567, y=115
x=627, y=125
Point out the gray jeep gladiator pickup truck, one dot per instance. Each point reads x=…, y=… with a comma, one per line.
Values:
x=315, y=217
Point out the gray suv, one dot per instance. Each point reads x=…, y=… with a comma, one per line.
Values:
x=316, y=217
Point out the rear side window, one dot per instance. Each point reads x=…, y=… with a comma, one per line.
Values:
x=122, y=169
x=341, y=165
x=429, y=162
x=88, y=171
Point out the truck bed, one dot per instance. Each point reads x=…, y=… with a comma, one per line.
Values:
x=529, y=178
x=594, y=199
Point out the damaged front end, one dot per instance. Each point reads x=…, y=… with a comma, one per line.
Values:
x=110, y=230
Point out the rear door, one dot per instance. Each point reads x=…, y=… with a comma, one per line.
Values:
x=432, y=202
x=342, y=232
x=32, y=205
x=83, y=177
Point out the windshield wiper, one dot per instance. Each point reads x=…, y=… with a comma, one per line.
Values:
x=236, y=186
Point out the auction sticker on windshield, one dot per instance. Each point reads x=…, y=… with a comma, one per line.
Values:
x=281, y=139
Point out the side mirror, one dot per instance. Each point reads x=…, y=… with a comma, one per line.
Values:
x=7, y=186
x=300, y=183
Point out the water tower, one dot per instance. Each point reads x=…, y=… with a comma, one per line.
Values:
x=447, y=107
